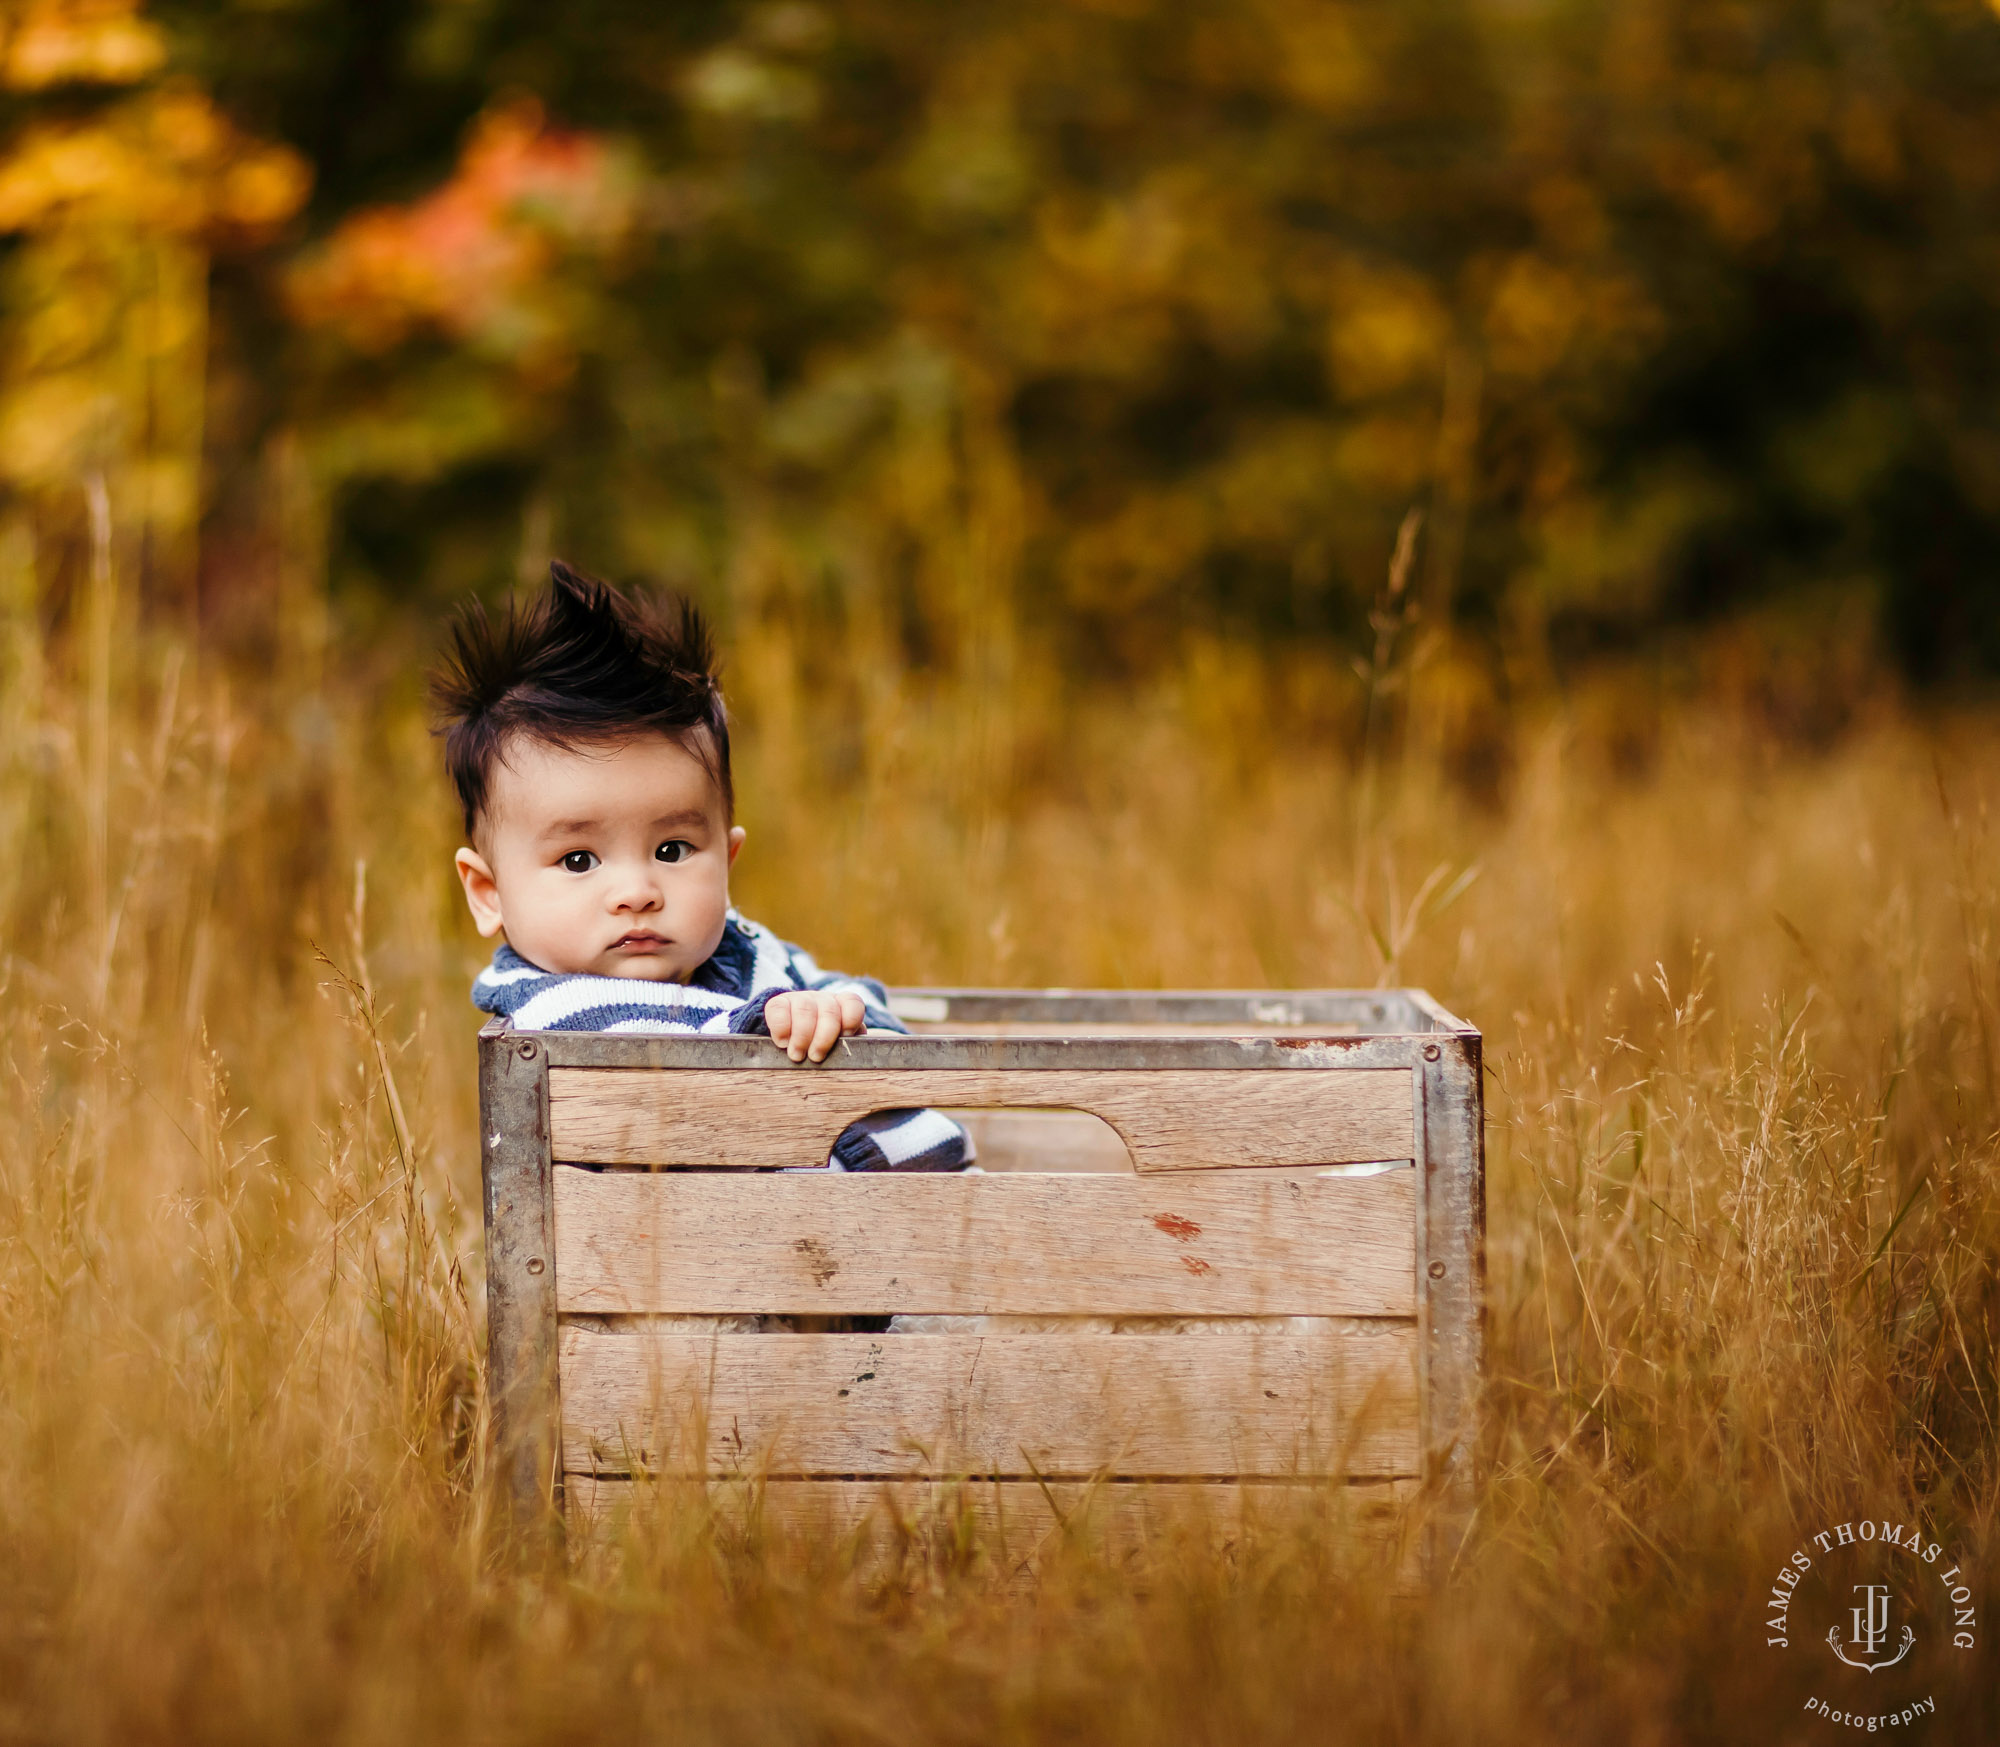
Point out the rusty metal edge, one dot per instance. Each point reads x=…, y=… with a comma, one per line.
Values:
x=1438, y=1017
x=1386, y=1010
x=516, y=1179
x=595, y=1049
x=1452, y=1285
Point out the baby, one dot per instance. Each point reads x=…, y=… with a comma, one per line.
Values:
x=587, y=739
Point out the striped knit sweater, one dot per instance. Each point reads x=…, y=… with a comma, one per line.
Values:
x=726, y=995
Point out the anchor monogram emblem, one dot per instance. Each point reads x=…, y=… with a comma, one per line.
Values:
x=1871, y=1631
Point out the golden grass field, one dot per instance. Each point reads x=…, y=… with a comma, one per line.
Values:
x=1740, y=997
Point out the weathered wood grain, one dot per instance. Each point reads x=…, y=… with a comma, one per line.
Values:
x=1169, y=1120
x=1007, y=1406
x=1019, y=1524
x=1222, y=1243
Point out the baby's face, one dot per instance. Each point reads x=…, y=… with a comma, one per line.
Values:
x=612, y=860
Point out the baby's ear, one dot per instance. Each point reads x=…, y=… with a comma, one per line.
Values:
x=482, y=892
x=736, y=836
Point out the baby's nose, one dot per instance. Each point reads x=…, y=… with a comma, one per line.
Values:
x=636, y=891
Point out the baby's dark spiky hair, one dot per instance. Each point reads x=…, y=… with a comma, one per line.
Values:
x=583, y=664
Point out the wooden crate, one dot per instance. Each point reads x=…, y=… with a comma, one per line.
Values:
x=1314, y=1155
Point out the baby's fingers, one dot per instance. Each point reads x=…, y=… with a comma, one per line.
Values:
x=809, y=1024
x=826, y=1032
x=853, y=1015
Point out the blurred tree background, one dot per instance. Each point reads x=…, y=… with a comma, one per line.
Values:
x=1046, y=344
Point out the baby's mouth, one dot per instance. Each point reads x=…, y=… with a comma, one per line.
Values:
x=641, y=941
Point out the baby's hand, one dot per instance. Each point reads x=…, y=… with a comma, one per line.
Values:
x=809, y=1022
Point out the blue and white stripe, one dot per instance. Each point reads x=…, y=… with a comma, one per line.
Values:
x=726, y=995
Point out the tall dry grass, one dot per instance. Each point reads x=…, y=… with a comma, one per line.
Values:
x=1741, y=1005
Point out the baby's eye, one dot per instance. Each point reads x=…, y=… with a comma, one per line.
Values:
x=579, y=861
x=674, y=849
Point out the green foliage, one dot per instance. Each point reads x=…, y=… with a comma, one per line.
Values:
x=1659, y=309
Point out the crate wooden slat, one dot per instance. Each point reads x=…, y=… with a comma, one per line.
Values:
x=1009, y=1406
x=1018, y=1523
x=1170, y=1120
x=1218, y=1243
